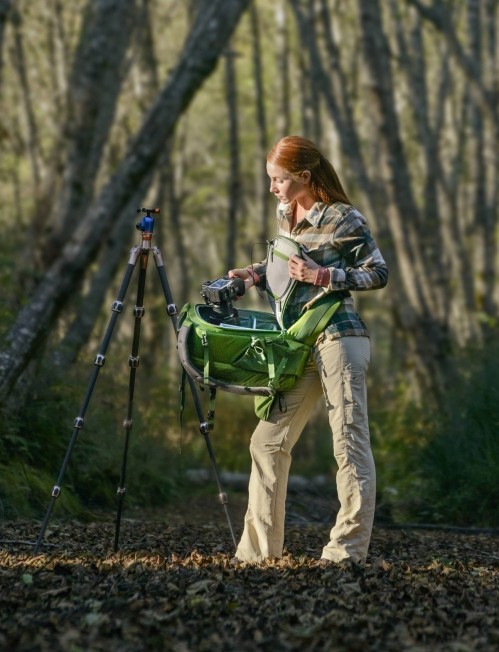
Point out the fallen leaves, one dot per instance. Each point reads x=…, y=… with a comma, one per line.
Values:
x=171, y=587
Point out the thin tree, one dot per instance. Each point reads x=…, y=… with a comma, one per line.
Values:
x=5, y=6
x=234, y=176
x=262, y=193
x=282, y=90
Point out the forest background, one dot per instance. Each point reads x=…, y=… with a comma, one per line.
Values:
x=109, y=105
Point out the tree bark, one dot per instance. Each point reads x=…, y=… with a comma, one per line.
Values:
x=234, y=176
x=32, y=139
x=283, y=118
x=4, y=13
x=483, y=212
x=308, y=75
x=58, y=56
x=96, y=78
x=262, y=192
x=215, y=22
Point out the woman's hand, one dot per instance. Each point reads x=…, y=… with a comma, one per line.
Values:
x=303, y=269
x=244, y=274
x=308, y=271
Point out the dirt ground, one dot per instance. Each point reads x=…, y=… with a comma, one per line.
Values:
x=170, y=586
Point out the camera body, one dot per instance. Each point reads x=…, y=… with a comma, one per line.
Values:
x=220, y=294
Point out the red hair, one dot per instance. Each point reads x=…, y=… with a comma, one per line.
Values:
x=296, y=154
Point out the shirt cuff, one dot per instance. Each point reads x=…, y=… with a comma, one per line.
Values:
x=338, y=278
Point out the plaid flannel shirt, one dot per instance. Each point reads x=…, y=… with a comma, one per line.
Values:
x=334, y=236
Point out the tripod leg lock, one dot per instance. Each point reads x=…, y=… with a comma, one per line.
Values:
x=79, y=422
x=100, y=359
x=56, y=490
x=171, y=309
x=117, y=306
x=222, y=497
x=204, y=427
x=133, y=361
x=139, y=311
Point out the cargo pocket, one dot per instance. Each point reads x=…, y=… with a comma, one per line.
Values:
x=353, y=392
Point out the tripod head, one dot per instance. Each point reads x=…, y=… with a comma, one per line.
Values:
x=146, y=224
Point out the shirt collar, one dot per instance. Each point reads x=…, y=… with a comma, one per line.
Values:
x=314, y=215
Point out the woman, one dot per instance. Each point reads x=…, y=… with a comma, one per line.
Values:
x=340, y=255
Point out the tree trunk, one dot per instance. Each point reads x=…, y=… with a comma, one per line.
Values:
x=58, y=56
x=4, y=13
x=32, y=140
x=96, y=78
x=234, y=189
x=483, y=211
x=283, y=117
x=215, y=22
x=262, y=192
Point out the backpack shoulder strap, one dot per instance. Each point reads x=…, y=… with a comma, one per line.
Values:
x=279, y=285
x=280, y=250
x=310, y=325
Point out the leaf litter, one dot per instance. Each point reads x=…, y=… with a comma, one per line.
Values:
x=171, y=586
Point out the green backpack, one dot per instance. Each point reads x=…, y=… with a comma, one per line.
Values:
x=255, y=355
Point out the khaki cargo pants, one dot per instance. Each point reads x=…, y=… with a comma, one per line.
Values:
x=337, y=371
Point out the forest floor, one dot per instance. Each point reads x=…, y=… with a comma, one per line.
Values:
x=170, y=586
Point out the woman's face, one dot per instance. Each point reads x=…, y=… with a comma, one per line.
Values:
x=286, y=187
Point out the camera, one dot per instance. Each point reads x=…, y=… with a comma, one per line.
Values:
x=220, y=294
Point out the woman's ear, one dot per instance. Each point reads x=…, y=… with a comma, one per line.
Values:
x=306, y=176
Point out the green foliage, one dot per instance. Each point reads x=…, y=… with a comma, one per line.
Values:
x=400, y=429
x=442, y=466
x=33, y=445
x=25, y=490
x=461, y=464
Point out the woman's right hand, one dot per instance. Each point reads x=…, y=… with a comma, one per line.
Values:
x=244, y=274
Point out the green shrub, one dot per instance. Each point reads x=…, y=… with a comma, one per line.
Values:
x=461, y=463
x=35, y=441
x=442, y=466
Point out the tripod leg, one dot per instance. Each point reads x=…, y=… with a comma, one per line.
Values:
x=100, y=359
x=133, y=362
x=204, y=425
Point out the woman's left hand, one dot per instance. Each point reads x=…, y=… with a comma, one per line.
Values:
x=302, y=269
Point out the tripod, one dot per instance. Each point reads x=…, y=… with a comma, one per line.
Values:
x=137, y=253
